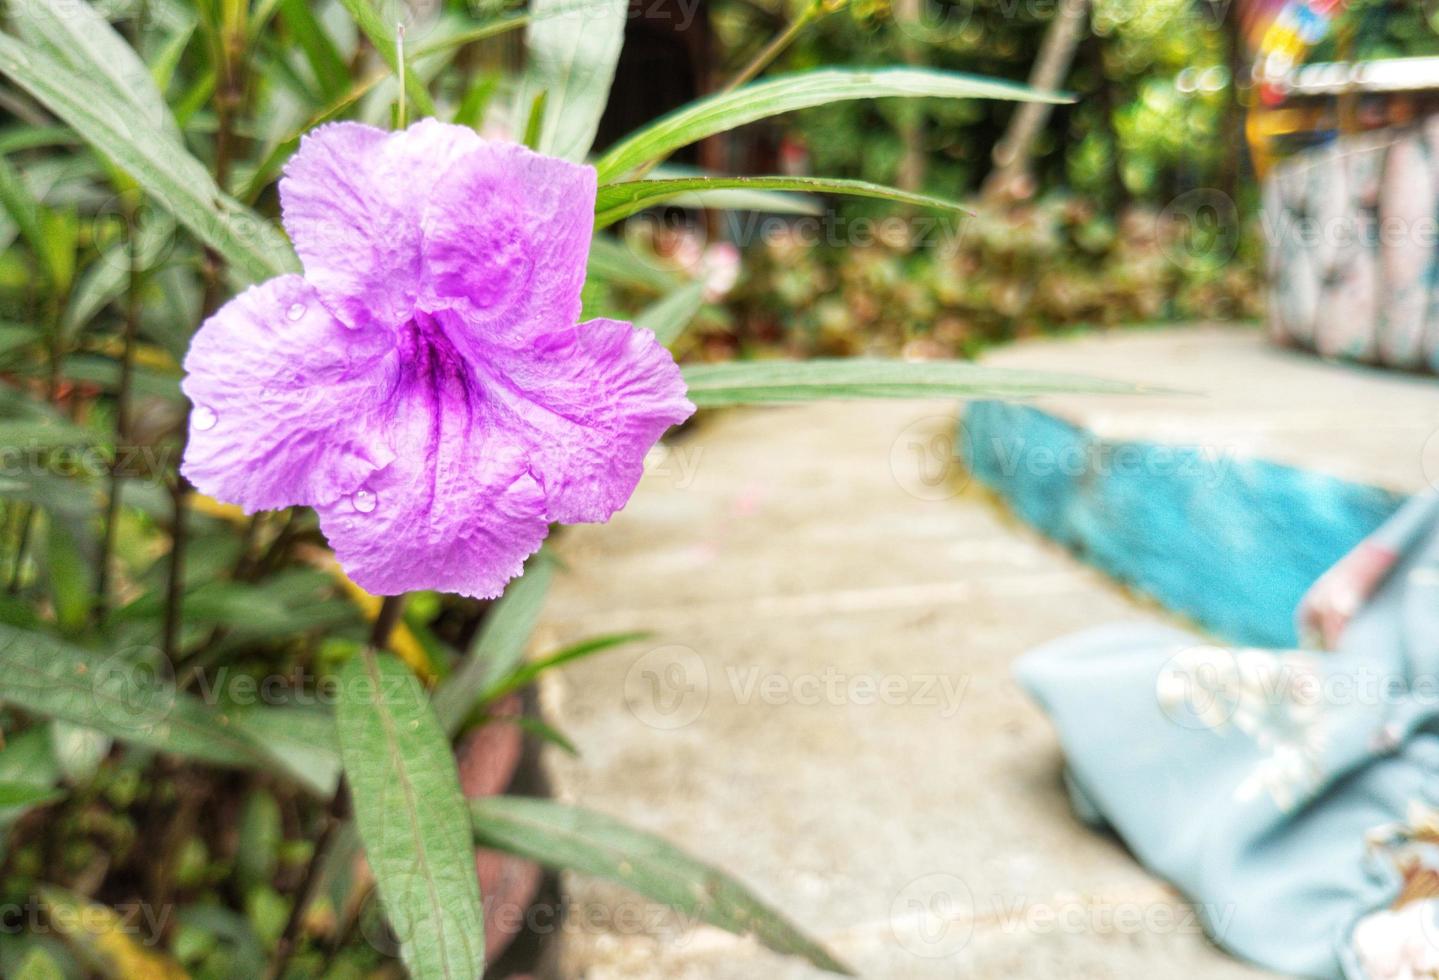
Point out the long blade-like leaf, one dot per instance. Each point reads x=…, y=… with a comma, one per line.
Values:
x=620, y=200
x=754, y=382
x=410, y=814
x=568, y=838
x=723, y=112
x=174, y=178
x=500, y=645
x=125, y=695
x=77, y=35
x=669, y=315
x=571, y=61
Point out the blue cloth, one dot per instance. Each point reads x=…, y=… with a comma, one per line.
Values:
x=1253, y=780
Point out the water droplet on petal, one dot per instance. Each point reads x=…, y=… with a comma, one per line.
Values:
x=364, y=501
x=203, y=419
x=296, y=311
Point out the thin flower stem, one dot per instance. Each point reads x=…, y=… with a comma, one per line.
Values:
x=812, y=10
x=400, y=68
x=776, y=47
x=122, y=424
x=335, y=814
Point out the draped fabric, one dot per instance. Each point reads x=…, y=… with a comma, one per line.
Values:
x=1278, y=789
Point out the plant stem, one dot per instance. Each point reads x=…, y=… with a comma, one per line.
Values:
x=759, y=62
x=775, y=47
x=335, y=814
x=229, y=97
x=122, y=422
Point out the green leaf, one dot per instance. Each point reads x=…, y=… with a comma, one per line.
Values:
x=69, y=577
x=526, y=674
x=727, y=110
x=22, y=207
x=500, y=645
x=411, y=817
x=127, y=694
x=175, y=179
x=300, y=740
x=568, y=838
x=23, y=794
x=39, y=965
x=610, y=261
x=78, y=36
x=382, y=36
x=622, y=199
x=330, y=69
x=571, y=62
x=669, y=316
x=752, y=382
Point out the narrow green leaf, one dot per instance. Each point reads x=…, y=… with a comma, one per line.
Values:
x=22, y=794
x=411, y=817
x=22, y=207
x=727, y=110
x=174, y=178
x=330, y=70
x=127, y=694
x=547, y=733
x=751, y=382
x=69, y=576
x=669, y=315
x=39, y=965
x=78, y=36
x=622, y=199
x=300, y=740
x=526, y=674
x=571, y=61
x=500, y=645
x=610, y=261
x=382, y=36
x=568, y=838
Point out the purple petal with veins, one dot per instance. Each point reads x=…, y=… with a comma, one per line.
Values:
x=424, y=385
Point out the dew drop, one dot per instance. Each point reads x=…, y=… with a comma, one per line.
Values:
x=203, y=419
x=364, y=501
x=296, y=311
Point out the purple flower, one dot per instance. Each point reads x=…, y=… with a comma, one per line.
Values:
x=424, y=385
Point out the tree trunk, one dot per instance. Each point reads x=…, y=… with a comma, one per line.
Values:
x=1013, y=153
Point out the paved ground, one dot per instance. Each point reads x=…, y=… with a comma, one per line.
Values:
x=825, y=710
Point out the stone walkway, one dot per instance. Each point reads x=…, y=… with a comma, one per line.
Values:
x=825, y=710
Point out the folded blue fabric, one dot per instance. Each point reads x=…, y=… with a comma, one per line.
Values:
x=1258, y=781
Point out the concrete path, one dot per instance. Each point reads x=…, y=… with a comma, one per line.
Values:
x=825, y=710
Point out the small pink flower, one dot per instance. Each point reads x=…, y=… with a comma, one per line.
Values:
x=424, y=385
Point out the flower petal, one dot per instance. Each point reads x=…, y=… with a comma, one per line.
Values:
x=457, y=510
x=589, y=401
x=506, y=238
x=282, y=392
x=352, y=198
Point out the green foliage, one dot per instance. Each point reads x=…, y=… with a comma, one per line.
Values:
x=183, y=687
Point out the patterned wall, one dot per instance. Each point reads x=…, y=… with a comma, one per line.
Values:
x=1352, y=235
